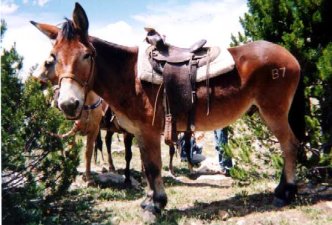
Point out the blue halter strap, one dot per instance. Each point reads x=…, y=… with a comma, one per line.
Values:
x=93, y=106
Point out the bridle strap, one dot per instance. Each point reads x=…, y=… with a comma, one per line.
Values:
x=87, y=85
x=84, y=84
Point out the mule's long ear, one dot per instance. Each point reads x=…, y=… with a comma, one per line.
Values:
x=80, y=19
x=47, y=29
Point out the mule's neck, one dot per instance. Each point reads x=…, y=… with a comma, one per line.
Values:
x=115, y=70
x=91, y=98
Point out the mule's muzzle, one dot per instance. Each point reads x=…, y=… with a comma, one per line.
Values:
x=70, y=107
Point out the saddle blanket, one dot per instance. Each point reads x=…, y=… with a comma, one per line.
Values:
x=222, y=64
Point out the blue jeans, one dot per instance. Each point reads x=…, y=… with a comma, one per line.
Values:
x=221, y=139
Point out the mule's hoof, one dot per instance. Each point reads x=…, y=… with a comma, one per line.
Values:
x=171, y=173
x=278, y=202
x=127, y=183
x=148, y=205
x=284, y=195
x=146, y=202
x=104, y=170
x=151, y=207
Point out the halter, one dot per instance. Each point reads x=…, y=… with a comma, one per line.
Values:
x=94, y=105
x=87, y=85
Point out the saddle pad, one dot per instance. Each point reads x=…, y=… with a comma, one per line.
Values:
x=222, y=64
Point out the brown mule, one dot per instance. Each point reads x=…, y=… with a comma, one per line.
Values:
x=91, y=122
x=266, y=76
x=93, y=118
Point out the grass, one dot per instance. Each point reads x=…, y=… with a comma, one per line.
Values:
x=189, y=201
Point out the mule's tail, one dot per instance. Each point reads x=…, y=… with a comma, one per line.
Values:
x=297, y=112
x=297, y=121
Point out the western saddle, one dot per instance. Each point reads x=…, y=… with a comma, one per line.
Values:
x=178, y=67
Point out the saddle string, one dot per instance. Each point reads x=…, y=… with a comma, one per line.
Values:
x=193, y=64
x=208, y=83
x=155, y=103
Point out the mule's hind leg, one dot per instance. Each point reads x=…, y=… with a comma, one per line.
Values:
x=286, y=190
x=128, y=140
x=108, y=140
x=98, y=145
x=171, y=156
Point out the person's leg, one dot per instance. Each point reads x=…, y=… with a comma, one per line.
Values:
x=221, y=138
x=182, y=142
x=217, y=144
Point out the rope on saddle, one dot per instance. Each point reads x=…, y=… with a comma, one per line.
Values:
x=155, y=103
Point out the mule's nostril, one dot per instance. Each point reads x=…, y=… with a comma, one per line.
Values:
x=70, y=106
x=77, y=103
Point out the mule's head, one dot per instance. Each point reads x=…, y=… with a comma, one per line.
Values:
x=46, y=72
x=73, y=60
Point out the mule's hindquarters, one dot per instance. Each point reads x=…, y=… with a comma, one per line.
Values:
x=274, y=98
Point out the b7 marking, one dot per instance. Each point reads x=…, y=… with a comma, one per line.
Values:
x=278, y=72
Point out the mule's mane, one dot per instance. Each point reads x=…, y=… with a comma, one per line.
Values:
x=68, y=30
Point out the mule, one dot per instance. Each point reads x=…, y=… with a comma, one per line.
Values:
x=95, y=116
x=90, y=123
x=266, y=75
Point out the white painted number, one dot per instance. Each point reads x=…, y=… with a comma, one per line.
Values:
x=276, y=73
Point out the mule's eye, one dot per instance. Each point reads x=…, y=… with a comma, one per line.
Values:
x=87, y=56
x=53, y=56
x=50, y=61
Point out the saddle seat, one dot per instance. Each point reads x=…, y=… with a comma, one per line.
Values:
x=175, y=54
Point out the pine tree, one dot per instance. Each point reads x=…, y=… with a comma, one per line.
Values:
x=35, y=169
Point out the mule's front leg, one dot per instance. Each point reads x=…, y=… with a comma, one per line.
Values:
x=91, y=138
x=151, y=156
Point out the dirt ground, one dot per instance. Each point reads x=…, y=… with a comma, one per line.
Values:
x=192, y=200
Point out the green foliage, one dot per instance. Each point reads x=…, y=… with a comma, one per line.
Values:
x=254, y=150
x=325, y=72
x=3, y=28
x=36, y=166
x=239, y=173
